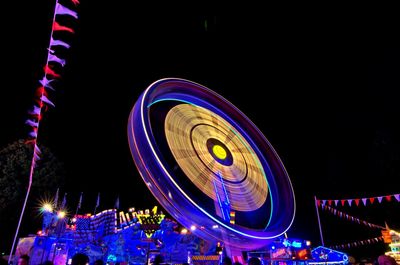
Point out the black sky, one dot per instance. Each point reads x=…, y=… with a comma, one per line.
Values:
x=321, y=85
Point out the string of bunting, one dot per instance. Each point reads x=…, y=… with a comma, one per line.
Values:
x=349, y=217
x=52, y=69
x=358, y=201
x=358, y=243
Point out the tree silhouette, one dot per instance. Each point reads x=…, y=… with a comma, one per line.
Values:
x=15, y=162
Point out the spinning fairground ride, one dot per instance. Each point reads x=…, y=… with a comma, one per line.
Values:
x=209, y=166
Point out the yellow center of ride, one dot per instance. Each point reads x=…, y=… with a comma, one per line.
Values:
x=219, y=151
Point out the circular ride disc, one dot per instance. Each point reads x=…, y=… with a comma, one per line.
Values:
x=209, y=166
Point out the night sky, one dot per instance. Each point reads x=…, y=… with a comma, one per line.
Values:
x=321, y=86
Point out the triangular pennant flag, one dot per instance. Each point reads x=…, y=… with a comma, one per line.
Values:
x=380, y=199
x=54, y=42
x=49, y=71
x=33, y=133
x=388, y=198
x=37, y=150
x=46, y=83
x=318, y=203
x=329, y=202
x=62, y=10
x=397, y=196
x=350, y=201
x=76, y=2
x=35, y=110
x=343, y=201
x=336, y=202
x=371, y=200
x=364, y=200
x=32, y=123
x=53, y=58
x=357, y=201
x=58, y=27
x=46, y=100
x=323, y=202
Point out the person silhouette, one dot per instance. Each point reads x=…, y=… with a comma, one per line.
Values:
x=23, y=260
x=254, y=261
x=80, y=259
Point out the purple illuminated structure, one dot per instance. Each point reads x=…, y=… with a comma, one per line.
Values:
x=201, y=158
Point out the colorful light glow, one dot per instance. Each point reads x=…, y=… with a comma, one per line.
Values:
x=143, y=149
x=47, y=207
x=61, y=214
x=219, y=151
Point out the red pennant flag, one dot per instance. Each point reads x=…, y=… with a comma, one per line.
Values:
x=371, y=200
x=389, y=198
x=343, y=201
x=58, y=27
x=50, y=71
x=357, y=201
x=329, y=202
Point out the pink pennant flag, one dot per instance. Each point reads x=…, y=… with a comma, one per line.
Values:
x=32, y=123
x=62, y=10
x=36, y=156
x=54, y=58
x=76, y=2
x=49, y=71
x=54, y=42
x=37, y=150
x=350, y=201
x=364, y=200
x=46, y=100
x=35, y=110
x=380, y=199
x=397, y=196
x=33, y=133
x=58, y=27
x=46, y=83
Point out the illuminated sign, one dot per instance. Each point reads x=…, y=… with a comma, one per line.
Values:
x=150, y=222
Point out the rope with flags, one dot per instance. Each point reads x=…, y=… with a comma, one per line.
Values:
x=359, y=243
x=42, y=101
x=355, y=220
x=357, y=201
x=349, y=217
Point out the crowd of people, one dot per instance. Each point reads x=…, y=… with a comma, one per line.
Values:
x=83, y=259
